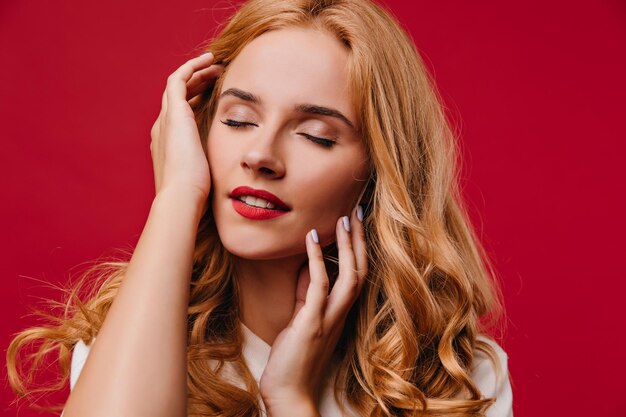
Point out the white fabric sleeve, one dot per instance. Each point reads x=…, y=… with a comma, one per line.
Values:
x=79, y=356
x=492, y=385
x=483, y=373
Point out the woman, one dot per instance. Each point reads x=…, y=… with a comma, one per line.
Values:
x=306, y=252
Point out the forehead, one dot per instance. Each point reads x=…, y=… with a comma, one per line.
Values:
x=292, y=66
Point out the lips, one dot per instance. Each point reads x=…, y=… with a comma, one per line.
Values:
x=265, y=195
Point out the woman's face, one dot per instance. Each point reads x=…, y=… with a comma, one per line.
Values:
x=284, y=123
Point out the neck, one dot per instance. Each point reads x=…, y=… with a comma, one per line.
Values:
x=267, y=293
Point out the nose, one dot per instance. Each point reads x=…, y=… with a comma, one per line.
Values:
x=262, y=158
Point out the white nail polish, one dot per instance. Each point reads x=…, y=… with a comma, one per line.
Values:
x=346, y=223
x=316, y=239
x=359, y=212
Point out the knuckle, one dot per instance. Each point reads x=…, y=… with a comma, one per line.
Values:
x=171, y=79
x=365, y=264
x=169, y=118
x=352, y=286
x=324, y=285
x=315, y=329
x=154, y=131
x=362, y=273
x=318, y=256
x=318, y=331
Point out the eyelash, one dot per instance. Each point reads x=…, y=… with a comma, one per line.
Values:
x=321, y=141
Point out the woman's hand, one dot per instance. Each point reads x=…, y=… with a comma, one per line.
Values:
x=302, y=352
x=178, y=159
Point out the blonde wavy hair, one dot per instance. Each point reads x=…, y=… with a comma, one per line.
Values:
x=410, y=339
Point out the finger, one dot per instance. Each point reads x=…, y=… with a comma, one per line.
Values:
x=202, y=79
x=359, y=245
x=304, y=279
x=176, y=88
x=345, y=289
x=317, y=293
x=193, y=103
x=164, y=101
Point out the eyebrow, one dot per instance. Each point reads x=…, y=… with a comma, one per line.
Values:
x=302, y=108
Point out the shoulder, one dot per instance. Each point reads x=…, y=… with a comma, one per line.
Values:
x=492, y=377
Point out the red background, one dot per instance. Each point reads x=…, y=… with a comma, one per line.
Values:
x=537, y=89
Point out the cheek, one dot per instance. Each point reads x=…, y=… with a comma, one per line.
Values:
x=219, y=155
x=213, y=161
x=329, y=191
x=216, y=135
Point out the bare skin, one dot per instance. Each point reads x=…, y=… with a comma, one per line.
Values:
x=284, y=282
x=284, y=69
x=121, y=376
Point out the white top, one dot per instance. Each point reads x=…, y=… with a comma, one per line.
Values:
x=256, y=353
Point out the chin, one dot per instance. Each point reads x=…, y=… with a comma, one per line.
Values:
x=255, y=247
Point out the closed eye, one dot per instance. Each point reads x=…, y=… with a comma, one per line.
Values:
x=327, y=143
x=324, y=142
x=237, y=124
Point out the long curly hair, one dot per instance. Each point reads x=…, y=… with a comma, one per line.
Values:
x=410, y=338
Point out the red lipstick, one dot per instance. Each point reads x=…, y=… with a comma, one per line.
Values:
x=257, y=213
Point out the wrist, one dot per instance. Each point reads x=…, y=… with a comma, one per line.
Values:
x=185, y=201
x=186, y=192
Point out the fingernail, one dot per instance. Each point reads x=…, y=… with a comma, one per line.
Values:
x=316, y=239
x=346, y=223
x=359, y=212
x=206, y=54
